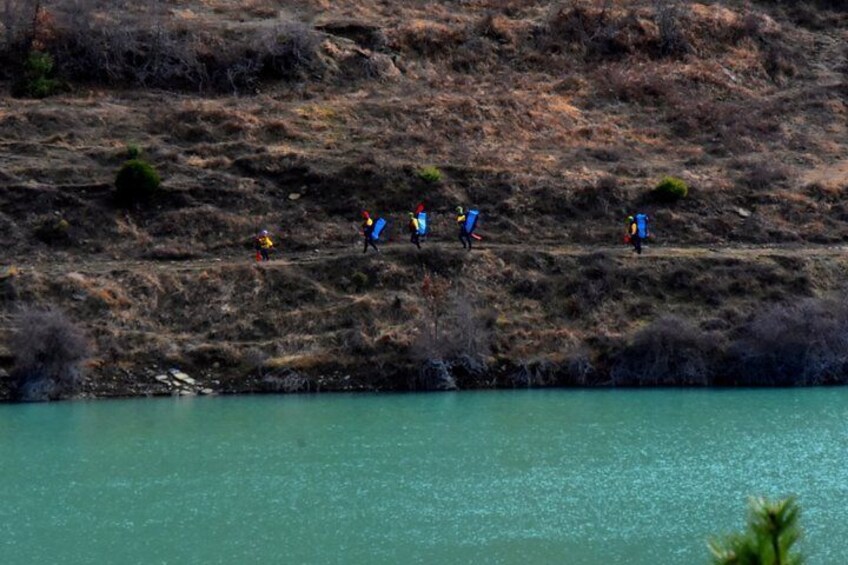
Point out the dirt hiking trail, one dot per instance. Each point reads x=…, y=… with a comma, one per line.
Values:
x=388, y=251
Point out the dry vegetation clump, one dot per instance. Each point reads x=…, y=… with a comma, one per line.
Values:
x=801, y=343
x=760, y=175
x=426, y=38
x=454, y=338
x=597, y=30
x=585, y=321
x=669, y=352
x=49, y=350
x=536, y=373
x=150, y=48
x=662, y=29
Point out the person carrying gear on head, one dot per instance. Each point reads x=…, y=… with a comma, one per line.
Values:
x=264, y=245
x=637, y=231
x=415, y=236
x=464, y=236
x=367, y=231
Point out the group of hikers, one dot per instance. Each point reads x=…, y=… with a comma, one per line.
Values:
x=418, y=226
x=636, y=231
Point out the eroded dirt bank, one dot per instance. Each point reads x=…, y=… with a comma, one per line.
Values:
x=512, y=315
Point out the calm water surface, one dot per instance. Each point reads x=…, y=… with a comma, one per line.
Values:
x=636, y=477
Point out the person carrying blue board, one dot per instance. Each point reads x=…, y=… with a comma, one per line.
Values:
x=461, y=220
x=414, y=230
x=637, y=231
x=369, y=231
x=417, y=225
x=467, y=223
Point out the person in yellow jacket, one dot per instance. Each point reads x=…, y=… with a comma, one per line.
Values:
x=413, y=230
x=464, y=236
x=264, y=245
x=633, y=234
x=367, y=230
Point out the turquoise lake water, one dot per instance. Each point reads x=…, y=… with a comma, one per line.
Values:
x=636, y=477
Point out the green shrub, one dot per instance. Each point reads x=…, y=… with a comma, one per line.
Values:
x=133, y=151
x=360, y=280
x=137, y=183
x=54, y=231
x=36, y=79
x=671, y=189
x=430, y=174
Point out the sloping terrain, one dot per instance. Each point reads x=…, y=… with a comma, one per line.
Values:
x=556, y=119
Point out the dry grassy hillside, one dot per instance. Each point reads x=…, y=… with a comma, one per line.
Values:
x=555, y=118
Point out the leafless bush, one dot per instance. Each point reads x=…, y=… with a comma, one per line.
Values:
x=470, y=335
x=20, y=21
x=49, y=349
x=637, y=84
x=595, y=32
x=150, y=52
x=453, y=327
x=609, y=30
x=474, y=55
x=435, y=374
x=16, y=19
x=427, y=39
x=732, y=125
x=291, y=50
x=357, y=341
x=600, y=281
x=436, y=295
x=537, y=373
x=579, y=368
x=669, y=17
x=760, y=175
x=254, y=360
x=601, y=199
x=797, y=344
x=778, y=60
x=670, y=351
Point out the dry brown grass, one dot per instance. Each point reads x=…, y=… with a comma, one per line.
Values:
x=554, y=121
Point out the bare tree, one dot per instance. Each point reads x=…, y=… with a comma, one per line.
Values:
x=453, y=327
x=49, y=350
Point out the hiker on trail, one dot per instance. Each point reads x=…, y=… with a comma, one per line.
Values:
x=368, y=231
x=263, y=245
x=637, y=231
x=414, y=230
x=464, y=236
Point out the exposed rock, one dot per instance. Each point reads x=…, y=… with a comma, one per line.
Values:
x=182, y=377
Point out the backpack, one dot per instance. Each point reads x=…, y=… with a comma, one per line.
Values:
x=642, y=225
